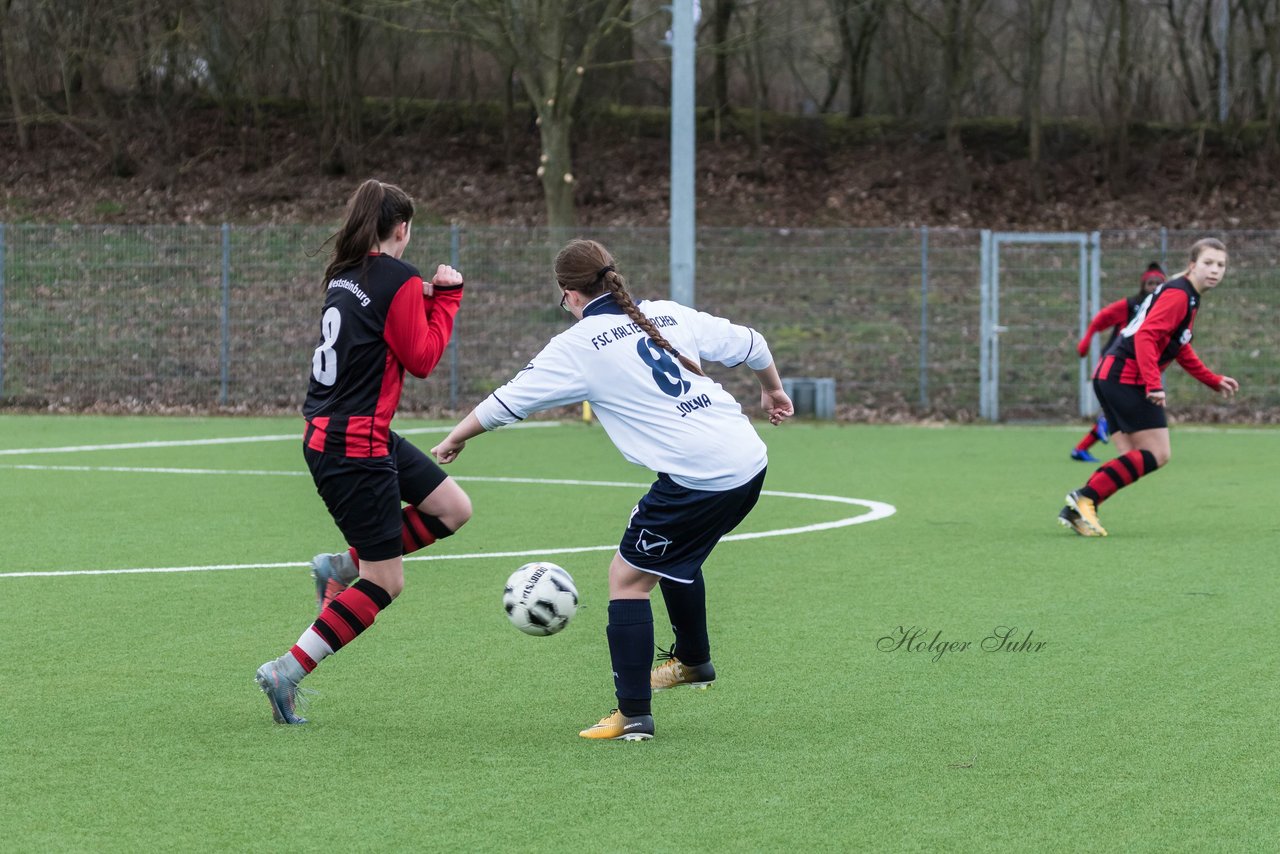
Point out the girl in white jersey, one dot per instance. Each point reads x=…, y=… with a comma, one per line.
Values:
x=639, y=367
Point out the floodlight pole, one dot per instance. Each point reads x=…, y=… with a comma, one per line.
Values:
x=683, y=224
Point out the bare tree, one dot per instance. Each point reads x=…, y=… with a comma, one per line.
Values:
x=1108, y=30
x=1030, y=23
x=956, y=34
x=613, y=64
x=118, y=73
x=549, y=45
x=1178, y=14
x=84, y=38
x=341, y=95
x=858, y=22
x=759, y=81
x=1209, y=49
x=1262, y=30
x=1038, y=23
x=907, y=64
x=10, y=37
x=722, y=19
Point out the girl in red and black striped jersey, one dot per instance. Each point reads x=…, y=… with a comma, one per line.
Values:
x=1115, y=317
x=379, y=320
x=1129, y=383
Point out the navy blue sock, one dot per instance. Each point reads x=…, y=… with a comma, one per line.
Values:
x=687, y=608
x=630, y=633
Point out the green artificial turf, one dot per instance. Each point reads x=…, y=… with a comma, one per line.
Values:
x=1136, y=712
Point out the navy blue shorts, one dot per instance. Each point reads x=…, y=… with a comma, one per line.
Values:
x=1127, y=408
x=674, y=529
x=364, y=495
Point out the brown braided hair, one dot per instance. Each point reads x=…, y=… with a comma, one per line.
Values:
x=587, y=267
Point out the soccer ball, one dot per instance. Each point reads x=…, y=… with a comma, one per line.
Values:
x=540, y=598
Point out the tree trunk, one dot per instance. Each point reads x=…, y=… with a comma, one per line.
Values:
x=721, y=24
x=955, y=49
x=349, y=117
x=550, y=47
x=758, y=89
x=556, y=169
x=1035, y=135
x=1262, y=19
x=859, y=23
x=1123, y=116
x=7, y=43
x=1190, y=88
x=1272, y=30
x=509, y=123
x=1039, y=22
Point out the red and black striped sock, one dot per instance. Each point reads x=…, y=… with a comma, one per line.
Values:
x=350, y=613
x=1119, y=473
x=1089, y=440
x=418, y=531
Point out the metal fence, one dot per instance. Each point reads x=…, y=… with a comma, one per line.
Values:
x=225, y=318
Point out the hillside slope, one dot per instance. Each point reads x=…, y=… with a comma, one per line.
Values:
x=463, y=167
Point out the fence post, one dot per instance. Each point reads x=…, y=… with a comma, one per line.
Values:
x=3, y=250
x=226, y=313
x=984, y=330
x=1095, y=305
x=1086, y=310
x=924, y=317
x=455, y=261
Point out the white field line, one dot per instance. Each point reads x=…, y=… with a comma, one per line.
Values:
x=1083, y=428
x=153, y=470
x=235, y=440
x=878, y=510
x=416, y=431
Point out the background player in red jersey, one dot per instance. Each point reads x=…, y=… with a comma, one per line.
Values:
x=379, y=320
x=1130, y=385
x=1114, y=317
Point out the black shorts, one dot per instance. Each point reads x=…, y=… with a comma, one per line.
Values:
x=1127, y=408
x=674, y=529
x=364, y=494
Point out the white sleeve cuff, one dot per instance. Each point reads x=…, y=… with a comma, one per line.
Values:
x=492, y=414
x=759, y=358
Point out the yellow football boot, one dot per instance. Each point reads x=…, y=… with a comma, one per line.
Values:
x=619, y=727
x=1088, y=512
x=1069, y=518
x=672, y=672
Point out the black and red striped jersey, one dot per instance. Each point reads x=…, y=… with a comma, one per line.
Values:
x=376, y=324
x=1114, y=316
x=1159, y=333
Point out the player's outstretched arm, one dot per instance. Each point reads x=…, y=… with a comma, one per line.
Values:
x=1227, y=387
x=449, y=449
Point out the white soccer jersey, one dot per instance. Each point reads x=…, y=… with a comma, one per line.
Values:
x=658, y=413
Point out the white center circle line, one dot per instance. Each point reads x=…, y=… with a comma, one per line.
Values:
x=877, y=510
